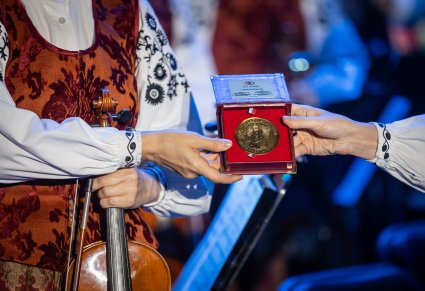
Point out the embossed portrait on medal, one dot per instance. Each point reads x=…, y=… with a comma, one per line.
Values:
x=257, y=135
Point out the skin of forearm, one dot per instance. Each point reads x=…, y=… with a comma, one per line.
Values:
x=150, y=188
x=363, y=141
x=149, y=144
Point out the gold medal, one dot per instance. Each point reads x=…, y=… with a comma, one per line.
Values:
x=257, y=135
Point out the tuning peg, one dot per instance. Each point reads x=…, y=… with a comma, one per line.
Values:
x=123, y=117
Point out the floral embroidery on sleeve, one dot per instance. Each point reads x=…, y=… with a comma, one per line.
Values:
x=3, y=50
x=163, y=79
x=131, y=147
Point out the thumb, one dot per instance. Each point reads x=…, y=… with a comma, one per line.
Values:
x=213, y=144
x=96, y=184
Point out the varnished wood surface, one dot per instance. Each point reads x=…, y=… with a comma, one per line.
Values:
x=149, y=271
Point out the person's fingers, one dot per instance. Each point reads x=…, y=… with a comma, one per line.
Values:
x=120, y=195
x=301, y=150
x=189, y=174
x=209, y=156
x=212, y=144
x=302, y=143
x=305, y=110
x=105, y=181
x=96, y=185
x=110, y=191
x=215, y=176
x=297, y=140
x=114, y=201
x=111, y=179
x=220, y=178
x=302, y=116
x=215, y=164
x=127, y=189
x=298, y=122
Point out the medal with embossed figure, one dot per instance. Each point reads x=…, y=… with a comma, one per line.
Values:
x=257, y=135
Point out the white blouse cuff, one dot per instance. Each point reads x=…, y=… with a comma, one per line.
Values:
x=383, y=149
x=175, y=204
x=132, y=149
x=157, y=201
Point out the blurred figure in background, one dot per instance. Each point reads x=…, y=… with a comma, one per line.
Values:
x=190, y=25
x=313, y=42
x=405, y=22
x=394, y=35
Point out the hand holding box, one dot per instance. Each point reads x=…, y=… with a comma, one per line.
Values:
x=249, y=112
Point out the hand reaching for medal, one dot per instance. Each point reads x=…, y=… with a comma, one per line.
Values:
x=319, y=132
x=187, y=153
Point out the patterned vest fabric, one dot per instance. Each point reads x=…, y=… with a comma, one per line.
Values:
x=54, y=83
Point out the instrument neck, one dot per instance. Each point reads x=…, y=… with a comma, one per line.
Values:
x=119, y=277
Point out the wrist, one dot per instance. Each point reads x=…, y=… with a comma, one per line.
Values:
x=149, y=145
x=151, y=189
x=158, y=199
x=364, y=141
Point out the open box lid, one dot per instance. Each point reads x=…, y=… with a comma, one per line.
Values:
x=255, y=88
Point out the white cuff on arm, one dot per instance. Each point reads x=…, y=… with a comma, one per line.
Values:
x=155, y=171
x=399, y=150
x=132, y=149
x=157, y=201
x=182, y=197
x=34, y=148
x=382, y=150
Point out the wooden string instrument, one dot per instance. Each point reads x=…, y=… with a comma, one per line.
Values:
x=117, y=264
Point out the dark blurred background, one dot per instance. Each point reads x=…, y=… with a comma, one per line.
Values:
x=360, y=58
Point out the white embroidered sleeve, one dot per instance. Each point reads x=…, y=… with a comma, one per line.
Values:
x=166, y=104
x=162, y=86
x=400, y=150
x=34, y=148
x=181, y=197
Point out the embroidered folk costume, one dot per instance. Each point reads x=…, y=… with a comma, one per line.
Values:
x=57, y=84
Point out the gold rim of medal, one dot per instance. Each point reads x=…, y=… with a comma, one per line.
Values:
x=257, y=135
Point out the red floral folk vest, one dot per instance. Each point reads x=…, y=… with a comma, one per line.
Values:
x=56, y=84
